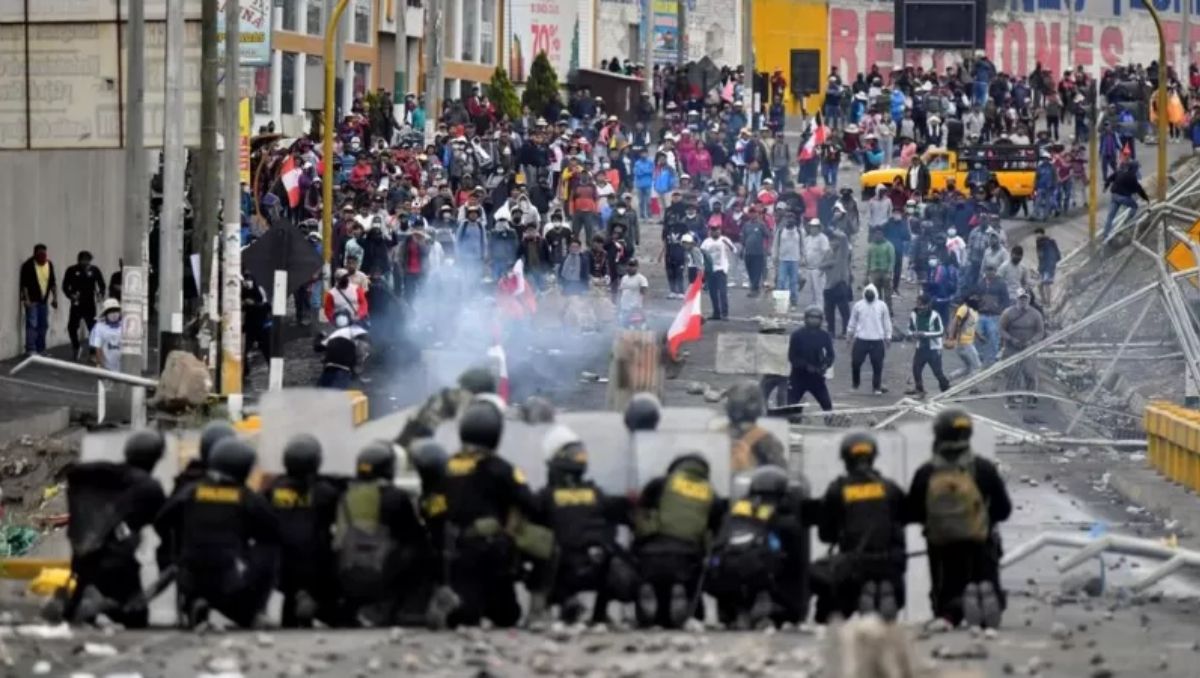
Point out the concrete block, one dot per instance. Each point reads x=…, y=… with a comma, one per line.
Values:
x=752, y=354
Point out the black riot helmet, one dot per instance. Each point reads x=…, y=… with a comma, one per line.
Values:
x=744, y=403
x=302, y=456
x=376, y=461
x=477, y=380
x=859, y=449
x=693, y=463
x=143, y=449
x=952, y=433
x=232, y=458
x=481, y=424
x=769, y=483
x=212, y=434
x=428, y=458
x=643, y=412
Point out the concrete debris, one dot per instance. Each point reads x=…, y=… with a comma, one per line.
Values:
x=1102, y=673
x=712, y=395
x=99, y=650
x=588, y=376
x=264, y=640
x=41, y=668
x=695, y=388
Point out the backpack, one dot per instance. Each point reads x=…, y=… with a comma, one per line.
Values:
x=954, y=507
x=362, y=542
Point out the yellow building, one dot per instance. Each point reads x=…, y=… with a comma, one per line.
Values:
x=793, y=31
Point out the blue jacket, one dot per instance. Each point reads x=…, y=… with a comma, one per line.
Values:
x=896, y=231
x=643, y=173
x=471, y=241
x=665, y=182
x=897, y=106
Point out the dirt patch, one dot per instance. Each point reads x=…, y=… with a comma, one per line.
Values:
x=31, y=471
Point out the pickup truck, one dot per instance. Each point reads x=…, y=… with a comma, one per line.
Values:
x=1013, y=168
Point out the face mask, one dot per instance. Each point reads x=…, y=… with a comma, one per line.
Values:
x=869, y=296
x=621, y=210
x=113, y=319
x=341, y=321
x=933, y=263
x=951, y=233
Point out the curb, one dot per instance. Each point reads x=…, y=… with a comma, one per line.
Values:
x=1146, y=488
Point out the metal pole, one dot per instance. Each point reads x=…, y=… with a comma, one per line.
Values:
x=748, y=60
x=1071, y=36
x=1001, y=365
x=204, y=228
x=1186, y=30
x=648, y=47
x=279, y=297
x=1161, y=97
x=170, y=225
x=433, y=67
x=400, y=84
x=328, y=129
x=1094, y=163
x=1133, y=328
x=681, y=30
x=231, y=251
x=136, y=199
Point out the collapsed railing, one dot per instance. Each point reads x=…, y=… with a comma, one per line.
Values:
x=1092, y=547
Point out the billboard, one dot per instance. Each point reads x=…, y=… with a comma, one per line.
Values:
x=255, y=32
x=62, y=69
x=940, y=24
x=550, y=26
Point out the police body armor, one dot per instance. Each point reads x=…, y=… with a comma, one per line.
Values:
x=490, y=522
x=683, y=509
x=578, y=518
x=868, y=526
x=213, y=539
x=747, y=550
x=298, y=531
x=364, y=544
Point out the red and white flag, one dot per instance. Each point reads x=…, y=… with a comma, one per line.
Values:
x=818, y=136
x=500, y=364
x=517, y=297
x=687, y=324
x=289, y=174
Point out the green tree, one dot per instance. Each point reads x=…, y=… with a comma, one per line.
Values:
x=502, y=93
x=542, y=86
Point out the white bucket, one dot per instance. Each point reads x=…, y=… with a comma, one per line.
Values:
x=783, y=300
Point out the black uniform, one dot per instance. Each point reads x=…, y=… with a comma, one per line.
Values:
x=863, y=516
x=228, y=546
x=584, y=521
x=810, y=352
x=954, y=565
x=482, y=493
x=380, y=546
x=109, y=505
x=677, y=516
x=83, y=284
x=761, y=559
x=305, y=509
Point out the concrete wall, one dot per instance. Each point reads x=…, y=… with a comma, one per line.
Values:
x=712, y=30
x=69, y=200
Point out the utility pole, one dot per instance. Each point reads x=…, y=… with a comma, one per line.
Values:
x=338, y=56
x=681, y=30
x=748, y=94
x=170, y=224
x=231, y=241
x=204, y=229
x=648, y=47
x=433, y=66
x=400, y=84
x=1187, y=38
x=134, y=281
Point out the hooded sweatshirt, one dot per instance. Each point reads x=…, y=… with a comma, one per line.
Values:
x=870, y=320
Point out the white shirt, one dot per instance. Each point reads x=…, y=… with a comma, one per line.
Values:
x=107, y=339
x=815, y=249
x=721, y=250
x=870, y=321
x=631, y=287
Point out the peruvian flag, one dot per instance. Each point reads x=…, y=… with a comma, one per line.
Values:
x=516, y=297
x=818, y=136
x=686, y=326
x=289, y=174
x=500, y=364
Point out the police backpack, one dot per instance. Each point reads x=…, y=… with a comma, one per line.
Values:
x=362, y=541
x=954, y=507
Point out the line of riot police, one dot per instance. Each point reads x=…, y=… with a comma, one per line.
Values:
x=362, y=552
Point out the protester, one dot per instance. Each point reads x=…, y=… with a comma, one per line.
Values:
x=869, y=331
x=39, y=294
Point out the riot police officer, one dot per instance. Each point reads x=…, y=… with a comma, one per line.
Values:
x=759, y=565
x=751, y=444
x=863, y=517
x=428, y=458
x=584, y=521
x=487, y=502
x=643, y=412
x=446, y=404
x=675, y=519
x=378, y=540
x=228, y=540
x=110, y=503
x=213, y=433
x=304, y=504
x=960, y=499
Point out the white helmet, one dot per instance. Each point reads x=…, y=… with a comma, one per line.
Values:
x=557, y=438
x=109, y=305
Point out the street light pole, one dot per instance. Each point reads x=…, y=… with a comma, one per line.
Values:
x=1161, y=97
x=231, y=211
x=331, y=66
x=1097, y=119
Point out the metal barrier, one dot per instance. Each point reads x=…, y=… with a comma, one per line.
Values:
x=1091, y=547
x=1173, y=442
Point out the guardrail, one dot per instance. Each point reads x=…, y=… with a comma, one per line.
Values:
x=1173, y=442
